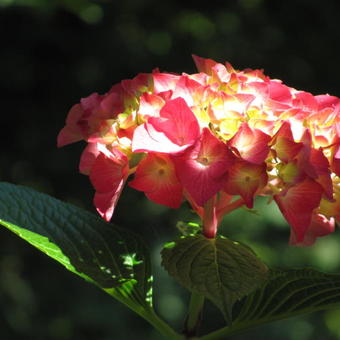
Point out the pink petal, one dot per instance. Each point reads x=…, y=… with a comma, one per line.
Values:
x=279, y=92
x=86, y=119
x=90, y=103
x=251, y=144
x=150, y=105
x=203, y=64
x=245, y=179
x=297, y=205
x=183, y=121
x=315, y=165
x=175, y=130
x=156, y=177
x=320, y=226
x=88, y=157
x=306, y=101
x=202, y=169
x=113, y=102
x=108, y=170
x=68, y=135
x=71, y=132
x=326, y=100
x=105, y=202
x=164, y=82
x=305, y=155
x=285, y=147
x=188, y=89
x=321, y=165
x=146, y=138
x=108, y=174
x=336, y=160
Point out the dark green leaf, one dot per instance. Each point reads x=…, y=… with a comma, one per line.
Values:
x=219, y=269
x=112, y=258
x=289, y=293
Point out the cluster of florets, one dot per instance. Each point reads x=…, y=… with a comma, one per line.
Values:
x=218, y=139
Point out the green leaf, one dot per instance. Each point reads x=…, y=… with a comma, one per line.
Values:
x=188, y=228
x=114, y=259
x=219, y=269
x=286, y=294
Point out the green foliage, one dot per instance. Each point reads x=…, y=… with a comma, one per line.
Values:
x=189, y=228
x=219, y=269
x=226, y=272
x=288, y=293
x=110, y=257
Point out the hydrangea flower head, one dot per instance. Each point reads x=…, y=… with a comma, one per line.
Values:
x=217, y=139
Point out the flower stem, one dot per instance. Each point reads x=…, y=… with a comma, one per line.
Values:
x=210, y=219
x=230, y=207
x=195, y=315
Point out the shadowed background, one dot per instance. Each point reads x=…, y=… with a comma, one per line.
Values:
x=53, y=52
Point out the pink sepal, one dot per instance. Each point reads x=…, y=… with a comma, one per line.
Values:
x=297, y=204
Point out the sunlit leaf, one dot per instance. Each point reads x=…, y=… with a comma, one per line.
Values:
x=114, y=259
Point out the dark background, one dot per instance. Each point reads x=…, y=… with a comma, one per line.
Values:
x=55, y=52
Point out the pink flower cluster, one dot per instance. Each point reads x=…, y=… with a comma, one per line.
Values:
x=218, y=139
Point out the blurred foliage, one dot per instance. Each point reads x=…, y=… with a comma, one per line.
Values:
x=57, y=51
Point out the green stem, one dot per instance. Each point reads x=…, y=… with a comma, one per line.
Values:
x=224, y=332
x=195, y=314
x=161, y=326
x=148, y=314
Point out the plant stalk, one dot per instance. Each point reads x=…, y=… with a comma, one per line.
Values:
x=227, y=331
x=194, y=318
x=162, y=327
x=210, y=221
x=149, y=314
